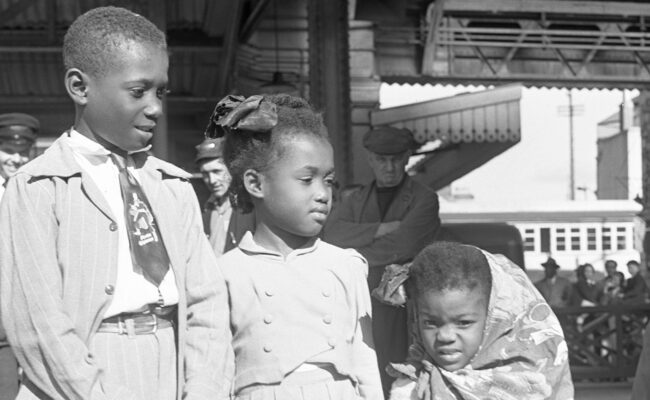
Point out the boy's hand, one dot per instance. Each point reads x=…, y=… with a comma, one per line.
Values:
x=387, y=227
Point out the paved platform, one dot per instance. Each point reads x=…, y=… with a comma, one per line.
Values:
x=603, y=391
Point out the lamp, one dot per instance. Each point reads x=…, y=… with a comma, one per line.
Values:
x=277, y=84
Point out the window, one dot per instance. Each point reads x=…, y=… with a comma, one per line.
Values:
x=545, y=240
x=560, y=239
x=591, y=239
x=529, y=239
x=575, y=238
x=607, y=238
x=621, y=238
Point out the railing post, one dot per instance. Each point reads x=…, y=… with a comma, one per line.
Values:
x=619, y=340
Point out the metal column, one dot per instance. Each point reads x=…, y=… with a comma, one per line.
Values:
x=158, y=15
x=329, y=75
x=644, y=113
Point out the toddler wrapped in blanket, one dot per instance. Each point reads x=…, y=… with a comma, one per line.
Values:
x=482, y=331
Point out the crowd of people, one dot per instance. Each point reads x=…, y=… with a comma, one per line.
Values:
x=114, y=284
x=586, y=291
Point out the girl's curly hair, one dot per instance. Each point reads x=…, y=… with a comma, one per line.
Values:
x=244, y=150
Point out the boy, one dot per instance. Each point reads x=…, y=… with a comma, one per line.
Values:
x=109, y=287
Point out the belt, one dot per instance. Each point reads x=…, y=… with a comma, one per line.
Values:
x=320, y=374
x=141, y=323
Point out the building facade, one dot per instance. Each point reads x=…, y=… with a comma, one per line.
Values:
x=572, y=232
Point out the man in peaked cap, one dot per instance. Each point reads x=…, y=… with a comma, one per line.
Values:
x=389, y=220
x=223, y=225
x=556, y=290
x=17, y=136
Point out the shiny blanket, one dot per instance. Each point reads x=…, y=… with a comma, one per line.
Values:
x=523, y=354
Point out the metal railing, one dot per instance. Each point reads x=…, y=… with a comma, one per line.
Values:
x=604, y=342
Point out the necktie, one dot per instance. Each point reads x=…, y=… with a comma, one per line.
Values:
x=147, y=249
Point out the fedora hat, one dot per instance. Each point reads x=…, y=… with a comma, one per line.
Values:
x=550, y=263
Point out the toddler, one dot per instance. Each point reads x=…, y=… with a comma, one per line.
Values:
x=482, y=331
x=299, y=308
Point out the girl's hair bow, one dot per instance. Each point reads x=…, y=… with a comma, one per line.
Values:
x=233, y=113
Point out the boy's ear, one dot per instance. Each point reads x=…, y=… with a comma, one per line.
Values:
x=253, y=182
x=76, y=84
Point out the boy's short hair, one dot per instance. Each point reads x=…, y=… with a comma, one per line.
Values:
x=93, y=39
x=445, y=266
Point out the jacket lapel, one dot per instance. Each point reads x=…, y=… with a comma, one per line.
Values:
x=95, y=196
x=65, y=167
x=367, y=209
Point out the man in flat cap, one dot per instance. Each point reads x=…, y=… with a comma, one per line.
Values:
x=223, y=225
x=556, y=290
x=17, y=135
x=388, y=221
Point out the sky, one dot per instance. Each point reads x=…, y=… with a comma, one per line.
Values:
x=538, y=167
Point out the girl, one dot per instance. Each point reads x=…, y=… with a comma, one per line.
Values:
x=299, y=307
x=482, y=332
x=586, y=290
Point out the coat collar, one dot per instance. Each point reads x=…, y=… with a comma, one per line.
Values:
x=250, y=246
x=369, y=199
x=58, y=160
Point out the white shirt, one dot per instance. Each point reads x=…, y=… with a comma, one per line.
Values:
x=132, y=291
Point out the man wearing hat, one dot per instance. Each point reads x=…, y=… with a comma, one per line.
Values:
x=388, y=221
x=17, y=135
x=556, y=290
x=223, y=225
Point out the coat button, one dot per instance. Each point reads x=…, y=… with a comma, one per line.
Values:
x=112, y=227
x=268, y=292
x=109, y=289
x=332, y=342
x=267, y=349
x=326, y=293
x=327, y=319
x=268, y=318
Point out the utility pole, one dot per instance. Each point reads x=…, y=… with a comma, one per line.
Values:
x=572, y=179
x=571, y=111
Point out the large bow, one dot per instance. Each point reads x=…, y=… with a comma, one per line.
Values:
x=239, y=113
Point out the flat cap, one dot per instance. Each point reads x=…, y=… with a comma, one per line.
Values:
x=389, y=140
x=18, y=130
x=19, y=119
x=209, y=148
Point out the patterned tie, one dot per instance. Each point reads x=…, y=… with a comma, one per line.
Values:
x=147, y=249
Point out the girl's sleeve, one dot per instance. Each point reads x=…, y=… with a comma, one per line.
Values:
x=365, y=359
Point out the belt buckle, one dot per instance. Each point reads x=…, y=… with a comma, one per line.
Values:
x=121, y=326
x=155, y=323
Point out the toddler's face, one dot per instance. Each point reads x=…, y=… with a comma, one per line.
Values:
x=451, y=325
x=298, y=188
x=124, y=105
